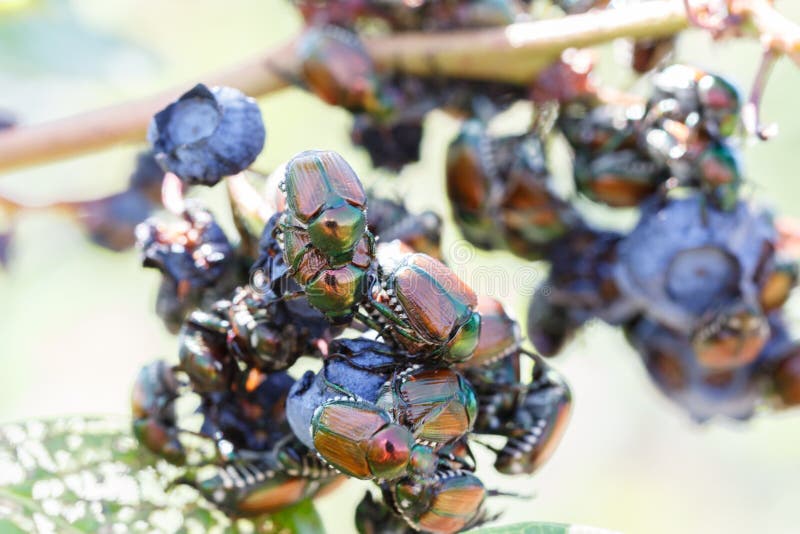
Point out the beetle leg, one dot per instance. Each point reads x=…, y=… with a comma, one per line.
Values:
x=336, y=387
x=369, y=321
x=515, y=495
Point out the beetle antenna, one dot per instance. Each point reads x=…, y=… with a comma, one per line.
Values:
x=513, y=494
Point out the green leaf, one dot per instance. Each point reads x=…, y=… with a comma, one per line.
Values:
x=88, y=474
x=301, y=518
x=541, y=528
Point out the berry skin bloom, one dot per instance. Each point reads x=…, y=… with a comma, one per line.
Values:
x=207, y=134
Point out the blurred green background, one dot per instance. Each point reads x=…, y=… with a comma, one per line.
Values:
x=76, y=322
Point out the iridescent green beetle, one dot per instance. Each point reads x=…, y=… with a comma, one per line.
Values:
x=250, y=489
x=336, y=67
x=361, y=440
x=324, y=228
x=438, y=405
x=153, y=409
x=203, y=350
x=450, y=501
x=719, y=173
x=716, y=99
x=326, y=201
x=539, y=422
x=425, y=307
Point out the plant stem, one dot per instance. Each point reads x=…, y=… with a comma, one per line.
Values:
x=514, y=54
x=776, y=31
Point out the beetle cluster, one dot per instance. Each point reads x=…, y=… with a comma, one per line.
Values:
x=413, y=363
x=698, y=284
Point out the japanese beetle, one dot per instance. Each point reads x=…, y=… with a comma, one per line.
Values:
x=325, y=200
x=494, y=369
x=619, y=178
x=532, y=416
x=538, y=423
x=473, y=179
x=731, y=337
x=500, y=335
x=266, y=335
x=360, y=440
x=719, y=173
x=437, y=405
x=501, y=192
x=532, y=215
x=337, y=68
x=426, y=308
x=710, y=164
x=354, y=368
x=777, y=283
x=252, y=488
x=281, y=293
x=609, y=165
x=203, y=351
x=153, y=409
x=326, y=243
x=714, y=100
x=446, y=502
x=374, y=517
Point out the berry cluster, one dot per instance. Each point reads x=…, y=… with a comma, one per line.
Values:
x=698, y=285
x=413, y=363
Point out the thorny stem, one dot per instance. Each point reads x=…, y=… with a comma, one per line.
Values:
x=514, y=53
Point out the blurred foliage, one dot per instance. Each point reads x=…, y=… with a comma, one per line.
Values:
x=77, y=475
x=47, y=36
x=12, y=6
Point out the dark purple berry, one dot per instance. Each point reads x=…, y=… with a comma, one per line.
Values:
x=207, y=134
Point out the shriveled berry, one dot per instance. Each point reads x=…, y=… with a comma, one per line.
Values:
x=207, y=134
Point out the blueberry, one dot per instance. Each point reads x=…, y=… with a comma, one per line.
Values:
x=685, y=259
x=193, y=255
x=207, y=134
x=358, y=367
x=703, y=393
